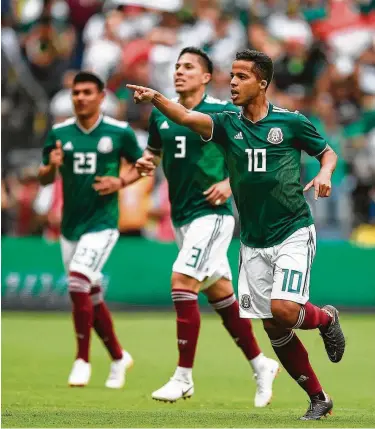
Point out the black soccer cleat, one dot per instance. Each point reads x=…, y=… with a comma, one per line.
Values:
x=333, y=336
x=318, y=408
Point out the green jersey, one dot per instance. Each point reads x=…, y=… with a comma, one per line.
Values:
x=90, y=153
x=190, y=167
x=264, y=160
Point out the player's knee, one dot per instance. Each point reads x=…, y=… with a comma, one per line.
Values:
x=285, y=312
x=96, y=295
x=182, y=281
x=219, y=290
x=78, y=282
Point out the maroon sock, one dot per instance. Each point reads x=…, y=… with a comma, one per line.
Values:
x=103, y=324
x=312, y=317
x=239, y=329
x=79, y=288
x=188, y=324
x=295, y=359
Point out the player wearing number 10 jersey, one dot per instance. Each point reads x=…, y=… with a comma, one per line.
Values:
x=202, y=217
x=87, y=150
x=263, y=147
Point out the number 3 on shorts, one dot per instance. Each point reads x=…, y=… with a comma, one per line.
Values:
x=292, y=281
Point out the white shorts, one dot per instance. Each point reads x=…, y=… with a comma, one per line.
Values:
x=203, y=245
x=278, y=272
x=88, y=255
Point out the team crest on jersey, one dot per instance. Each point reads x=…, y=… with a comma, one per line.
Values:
x=275, y=136
x=245, y=301
x=105, y=145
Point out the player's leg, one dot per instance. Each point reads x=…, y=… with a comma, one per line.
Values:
x=185, y=299
x=103, y=323
x=292, y=263
x=104, y=327
x=295, y=359
x=290, y=293
x=255, y=300
x=195, y=241
x=79, y=288
x=96, y=248
x=221, y=297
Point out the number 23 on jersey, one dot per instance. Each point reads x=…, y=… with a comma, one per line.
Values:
x=84, y=163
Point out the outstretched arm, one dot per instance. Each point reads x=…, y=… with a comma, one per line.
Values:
x=196, y=121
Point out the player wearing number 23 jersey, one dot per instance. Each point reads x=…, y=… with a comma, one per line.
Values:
x=90, y=153
x=87, y=152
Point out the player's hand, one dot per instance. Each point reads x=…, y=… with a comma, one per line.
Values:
x=218, y=193
x=322, y=185
x=142, y=94
x=107, y=185
x=145, y=165
x=56, y=156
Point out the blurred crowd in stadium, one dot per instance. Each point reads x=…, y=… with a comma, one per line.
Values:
x=324, y=54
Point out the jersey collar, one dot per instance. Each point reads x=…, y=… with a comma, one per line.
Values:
x=90, y=130
x=264, y=117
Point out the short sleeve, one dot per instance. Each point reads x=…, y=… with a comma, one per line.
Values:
x=218, y=130
x=130, y=149
x=308, y=138
x=49, y=145
x=155, y=144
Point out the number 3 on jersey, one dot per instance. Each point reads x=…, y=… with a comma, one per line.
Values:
x=257, y=160
x=181, y=147
x=84, y=163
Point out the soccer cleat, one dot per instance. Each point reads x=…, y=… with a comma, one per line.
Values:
x=174, y=390
x=80, y=374
x=318, y=408
x=333, y=336
x=116, y=378
x=264, y=380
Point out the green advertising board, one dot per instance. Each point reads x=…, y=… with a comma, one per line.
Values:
x=138, y=274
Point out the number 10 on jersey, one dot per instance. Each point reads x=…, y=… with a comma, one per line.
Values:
x=257, y=160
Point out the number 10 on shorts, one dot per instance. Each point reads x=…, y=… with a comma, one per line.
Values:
x=292, y=281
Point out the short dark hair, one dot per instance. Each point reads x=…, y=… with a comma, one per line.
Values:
x=263, y=65
x=204, y=57
x=85, y=76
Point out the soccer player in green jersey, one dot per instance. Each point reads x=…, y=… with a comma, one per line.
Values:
x=199, y=193
x=263, y=147
x=87, y=151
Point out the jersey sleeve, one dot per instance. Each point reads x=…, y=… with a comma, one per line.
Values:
x=49, y=145
x=154, y=144
x=218, y=132
x=308, y=138
x=130, y=149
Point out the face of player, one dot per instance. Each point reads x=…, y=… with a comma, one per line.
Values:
x=245, y=84
x=86, y=99
x=190, y=74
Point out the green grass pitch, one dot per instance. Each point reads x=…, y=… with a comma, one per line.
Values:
x=37, y=353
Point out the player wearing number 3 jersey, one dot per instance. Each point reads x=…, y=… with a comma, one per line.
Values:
x=201, y=212
x=87, y=151
x=262, y=146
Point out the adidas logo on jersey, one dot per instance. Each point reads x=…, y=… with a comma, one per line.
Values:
x=239, y=136
x=68, y=146
x=164, y=126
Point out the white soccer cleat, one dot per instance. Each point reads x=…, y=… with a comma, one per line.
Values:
x=117, y=373
x=264, y=380
x=174, y=390
x=80, y=374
